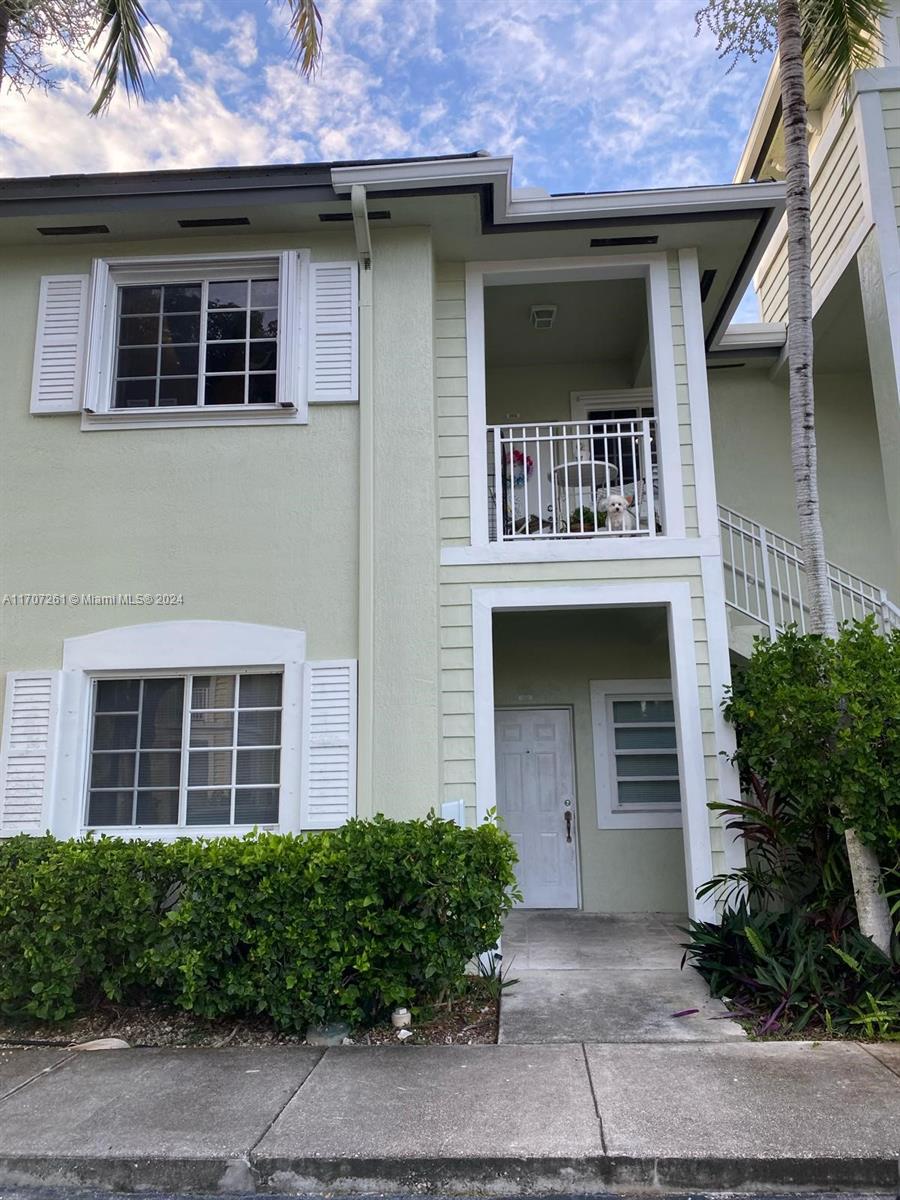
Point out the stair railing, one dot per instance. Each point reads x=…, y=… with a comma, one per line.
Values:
x=765, y=580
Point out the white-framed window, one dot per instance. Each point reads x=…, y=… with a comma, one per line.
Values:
x=180, y=728
x=636, y=760
x=188, y=339
x=185, y=750
x=235, y=338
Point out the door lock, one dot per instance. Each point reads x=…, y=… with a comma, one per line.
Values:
x=568, y=816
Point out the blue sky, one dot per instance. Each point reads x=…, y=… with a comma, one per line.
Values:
x=587, y=95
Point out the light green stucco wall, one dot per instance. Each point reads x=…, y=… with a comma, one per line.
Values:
x=245, y=522
x=407, y=627
x=251, y=523
x=752, y=449
x=548, y=660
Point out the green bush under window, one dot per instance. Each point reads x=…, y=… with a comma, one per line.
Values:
x=343, y=924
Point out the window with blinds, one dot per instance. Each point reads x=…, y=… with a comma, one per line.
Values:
x=185, y=750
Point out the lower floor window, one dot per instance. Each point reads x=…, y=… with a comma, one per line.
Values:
x=636, y=761
x=185, y=750
x=645, y=752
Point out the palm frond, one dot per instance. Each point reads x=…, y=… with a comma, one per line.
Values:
x=306, y=34
x=125, y=54
x=841, y=36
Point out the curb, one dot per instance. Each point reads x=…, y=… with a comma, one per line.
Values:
x=463, y=1176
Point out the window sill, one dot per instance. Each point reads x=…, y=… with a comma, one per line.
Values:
x=171, y=418
x=171, y=833
x=640, y=818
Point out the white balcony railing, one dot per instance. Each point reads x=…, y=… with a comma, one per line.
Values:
x=576, y=479
x=765, y=579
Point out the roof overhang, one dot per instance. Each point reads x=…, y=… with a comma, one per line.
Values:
x=467, y=200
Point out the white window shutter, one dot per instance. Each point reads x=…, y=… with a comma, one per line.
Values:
x=60, y=345
x=328, y=791
x=334, y=333
x=26, y=754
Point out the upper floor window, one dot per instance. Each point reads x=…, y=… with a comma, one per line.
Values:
x=204, y=341
x=242, y=338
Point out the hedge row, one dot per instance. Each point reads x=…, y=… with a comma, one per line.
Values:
x=344, y=924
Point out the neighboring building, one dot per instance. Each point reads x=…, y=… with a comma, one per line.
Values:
x=359, y=431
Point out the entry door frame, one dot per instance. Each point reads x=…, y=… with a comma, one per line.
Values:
x=675, y=597
x=569, y=709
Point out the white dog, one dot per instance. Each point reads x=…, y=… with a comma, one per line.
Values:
x=619, y=517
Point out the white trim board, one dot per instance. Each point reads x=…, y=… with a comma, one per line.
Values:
x=720, y=680
x=675, y=596
x=653, y=268
x=181, y=647
x=603, y=548
x=698, y=395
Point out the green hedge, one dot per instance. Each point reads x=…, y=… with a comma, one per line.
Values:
x=343, y=924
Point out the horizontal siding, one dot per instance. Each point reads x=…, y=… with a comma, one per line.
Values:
x=452, y=407
x=837, y=213
x=457, y=682
x=890, y=107
x=682, y=398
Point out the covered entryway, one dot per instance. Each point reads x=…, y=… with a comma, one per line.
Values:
x=588, y=977
x=536, y=801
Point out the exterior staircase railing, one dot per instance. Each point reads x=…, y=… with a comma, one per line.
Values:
x=765, y=580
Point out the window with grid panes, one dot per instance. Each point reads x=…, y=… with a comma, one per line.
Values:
x=186, y=750
x=196, y=343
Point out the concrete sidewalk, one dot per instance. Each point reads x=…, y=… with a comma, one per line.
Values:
x=503, y=1119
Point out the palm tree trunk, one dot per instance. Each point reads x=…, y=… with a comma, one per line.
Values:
x=800, y=333
x=871, y=903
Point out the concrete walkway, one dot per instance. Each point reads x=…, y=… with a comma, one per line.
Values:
x=454, y=1119
x=590, y=978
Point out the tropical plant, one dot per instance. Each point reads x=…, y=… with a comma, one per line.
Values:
x=831, y=39
x=786, y=971
x=118, y=28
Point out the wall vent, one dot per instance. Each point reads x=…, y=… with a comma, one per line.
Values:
x=70, y=230
x=212, y=222
x=543, y=315
x=648, y=239
x=379, y=214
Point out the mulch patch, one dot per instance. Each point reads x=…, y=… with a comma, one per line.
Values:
x=469, y=1020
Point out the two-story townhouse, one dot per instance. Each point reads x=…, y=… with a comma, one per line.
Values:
x=432, y=469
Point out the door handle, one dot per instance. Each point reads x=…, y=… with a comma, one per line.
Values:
x=568, y=816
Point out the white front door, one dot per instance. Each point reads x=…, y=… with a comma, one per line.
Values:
x=536, y=801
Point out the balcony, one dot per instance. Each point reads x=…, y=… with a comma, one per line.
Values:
x=573, y=480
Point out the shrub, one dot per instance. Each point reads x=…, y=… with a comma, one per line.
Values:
x=341, y=924
x=818, y=727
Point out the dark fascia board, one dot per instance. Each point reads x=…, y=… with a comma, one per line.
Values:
x=720, y=356
x=199, y=184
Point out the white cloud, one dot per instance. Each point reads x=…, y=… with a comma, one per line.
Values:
x=587, y=94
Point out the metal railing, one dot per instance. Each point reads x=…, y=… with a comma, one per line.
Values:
x=574, y=479
x=765, y=579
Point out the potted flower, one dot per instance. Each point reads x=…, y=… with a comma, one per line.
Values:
x=585, y=520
